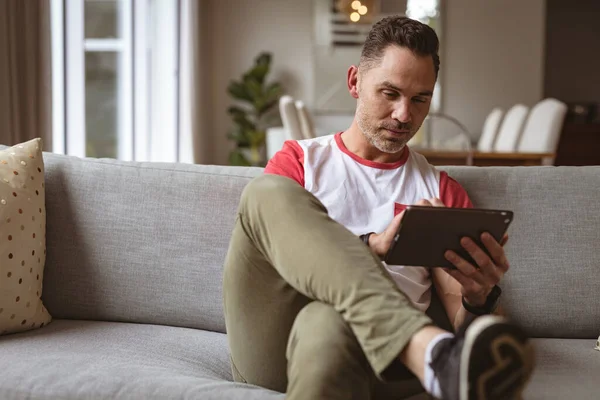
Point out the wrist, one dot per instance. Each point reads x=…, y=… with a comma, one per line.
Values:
x=371, y=240
x=477, y=300
x=489, y=304
x=374, y=244
x=367, y=238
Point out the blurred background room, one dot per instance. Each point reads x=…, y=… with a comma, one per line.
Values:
x=227, y=81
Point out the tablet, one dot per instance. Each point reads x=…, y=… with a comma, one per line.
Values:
x=426, y=233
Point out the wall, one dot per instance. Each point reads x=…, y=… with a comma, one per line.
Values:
x=572, y=57
x=240, y=30
x=493, y=55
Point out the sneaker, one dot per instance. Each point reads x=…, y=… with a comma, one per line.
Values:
x=488, y=359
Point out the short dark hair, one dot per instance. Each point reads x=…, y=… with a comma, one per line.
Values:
x=404, y=32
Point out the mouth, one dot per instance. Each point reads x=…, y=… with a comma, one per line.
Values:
x=398, y=131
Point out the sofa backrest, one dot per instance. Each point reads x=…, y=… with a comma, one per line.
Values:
x=138, y=242
x=145, y=242
x=552, y=287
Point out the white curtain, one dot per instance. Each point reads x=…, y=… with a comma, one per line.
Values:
x=195, y=133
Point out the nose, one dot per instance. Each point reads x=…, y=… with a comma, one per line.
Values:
x=401, y=111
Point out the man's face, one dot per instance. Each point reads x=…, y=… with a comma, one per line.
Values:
x=394, y=98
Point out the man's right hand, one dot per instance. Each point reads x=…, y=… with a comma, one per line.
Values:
x=380, y=242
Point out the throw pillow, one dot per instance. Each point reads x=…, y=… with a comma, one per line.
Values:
x=22, y=238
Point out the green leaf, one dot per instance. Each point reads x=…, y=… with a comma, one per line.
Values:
x=236, y=112
x=256, y=138
x=240, y=117
x=239, y=137
x=239, y=91
x=263, y=59
x=265, y=107
x=273, y=91
x=237, y=158
x=255, y=89
x=260, y=70
x=258, y=73
x=269, y=98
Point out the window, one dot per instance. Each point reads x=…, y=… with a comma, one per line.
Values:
x=116, y=79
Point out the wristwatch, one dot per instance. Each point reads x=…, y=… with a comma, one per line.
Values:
x=365, y=237
x=491, y=303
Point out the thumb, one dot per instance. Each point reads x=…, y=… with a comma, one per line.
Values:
x=394, y=225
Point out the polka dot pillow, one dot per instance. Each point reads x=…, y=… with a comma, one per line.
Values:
x=22, y=238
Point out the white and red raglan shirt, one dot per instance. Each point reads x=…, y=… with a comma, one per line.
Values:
x=364, y=196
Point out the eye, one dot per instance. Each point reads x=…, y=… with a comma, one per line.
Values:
x=390, y=94
x=419, y=100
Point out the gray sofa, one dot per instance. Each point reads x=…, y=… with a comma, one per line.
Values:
x=133, y=280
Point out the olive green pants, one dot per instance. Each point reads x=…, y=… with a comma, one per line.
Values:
x=309, y=309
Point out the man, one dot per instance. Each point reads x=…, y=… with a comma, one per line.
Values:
x=310, y=309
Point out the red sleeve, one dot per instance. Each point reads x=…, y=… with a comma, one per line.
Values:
x=452, y=194
x=289, y=162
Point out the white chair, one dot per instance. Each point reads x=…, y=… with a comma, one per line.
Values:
x=290, y=119
x=490, y=130
x=510, y=130
x=542, y=129
x=306, y=123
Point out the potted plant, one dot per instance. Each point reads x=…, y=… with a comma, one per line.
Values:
x=253, y=115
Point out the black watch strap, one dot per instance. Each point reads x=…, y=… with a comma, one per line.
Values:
x=490, y=305
x=365, y=237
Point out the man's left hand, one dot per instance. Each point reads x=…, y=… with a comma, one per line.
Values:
x=478, y=280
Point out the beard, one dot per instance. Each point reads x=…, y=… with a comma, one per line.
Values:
x=378, y=136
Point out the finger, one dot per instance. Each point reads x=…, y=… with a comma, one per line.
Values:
x=395, y=224
x=424, y=202
x=468, y=284
x=486, y=266
x=465, y=267
x=504, y=240
x=496, y=250
x=436, y=202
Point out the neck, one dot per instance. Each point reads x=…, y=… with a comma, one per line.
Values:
x=356, y=142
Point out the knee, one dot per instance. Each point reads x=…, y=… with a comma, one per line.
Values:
x=268, y=189
x=324, y=355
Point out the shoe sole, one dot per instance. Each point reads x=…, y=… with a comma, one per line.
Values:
x=496, y=361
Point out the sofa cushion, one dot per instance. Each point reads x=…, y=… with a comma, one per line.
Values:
x=22, y=238
x=553, y=247
x=139, y=242
x=107, y=360
x=565, y=369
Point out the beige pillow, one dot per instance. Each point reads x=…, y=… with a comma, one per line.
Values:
x=22, y=238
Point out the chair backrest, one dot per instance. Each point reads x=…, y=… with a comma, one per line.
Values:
x=510, y=130
x=542, y=129
x=290, y=119
x=443, y=132
x=490, y=130
x=306, y=122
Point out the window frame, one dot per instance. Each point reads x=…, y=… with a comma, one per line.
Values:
x=143, y=135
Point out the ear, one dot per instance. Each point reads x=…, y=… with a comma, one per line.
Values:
x=352, y=81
